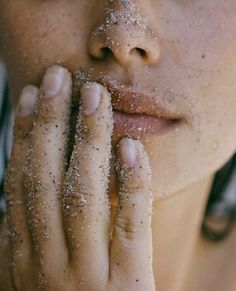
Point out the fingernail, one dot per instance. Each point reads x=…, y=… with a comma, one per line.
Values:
x=128, y=152
x=53, y=81
x=90, y=97
x=27, y=101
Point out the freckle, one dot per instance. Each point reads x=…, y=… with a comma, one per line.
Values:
x=137, y=280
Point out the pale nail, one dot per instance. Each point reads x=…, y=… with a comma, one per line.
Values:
x=27, y=101
x=128, y=152
x=90, y=97
x=53, y=81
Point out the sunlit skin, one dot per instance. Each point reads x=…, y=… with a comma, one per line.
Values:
x=189, y=65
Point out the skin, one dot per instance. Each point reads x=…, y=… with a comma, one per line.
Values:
x=196, y=40
x=45, y=236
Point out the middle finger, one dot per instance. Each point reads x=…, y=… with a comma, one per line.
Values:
x=86, y=207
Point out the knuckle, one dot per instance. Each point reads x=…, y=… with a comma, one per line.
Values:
x=76, y=201
x=134, y=184
x=134, y=216
x=135, y=191
x=127, y=228
x=134, y=188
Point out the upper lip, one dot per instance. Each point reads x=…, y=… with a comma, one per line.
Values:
x=131, y=101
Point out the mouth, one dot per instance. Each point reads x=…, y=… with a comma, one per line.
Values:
x=138, y=115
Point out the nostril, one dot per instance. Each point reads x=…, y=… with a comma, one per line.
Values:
x=105, y=52
x=141, y=52
x=138, y=51
x=102, y=53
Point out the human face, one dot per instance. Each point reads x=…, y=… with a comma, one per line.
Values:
x=181, y=53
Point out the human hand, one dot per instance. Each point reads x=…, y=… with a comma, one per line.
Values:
x=58, y=213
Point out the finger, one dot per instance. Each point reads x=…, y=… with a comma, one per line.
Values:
x=20, y=242
x=46, y=164
x=86, y=209
x=131, y=247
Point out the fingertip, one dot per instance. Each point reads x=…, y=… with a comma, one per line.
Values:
x=132, y=160
x=54, y=81
x=90, y=97
x=130, y=151
x=27, y=101
x=127, y=151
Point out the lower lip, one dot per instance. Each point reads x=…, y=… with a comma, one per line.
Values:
x=141, y=125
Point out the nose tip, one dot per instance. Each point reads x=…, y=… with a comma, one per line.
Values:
x=124, y=49
x=125, y=36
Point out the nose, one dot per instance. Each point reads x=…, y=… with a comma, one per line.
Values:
x=124, y=35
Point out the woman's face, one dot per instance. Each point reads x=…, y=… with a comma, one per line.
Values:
x=181, y=54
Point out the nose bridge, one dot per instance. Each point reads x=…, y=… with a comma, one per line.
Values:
x=126, y=33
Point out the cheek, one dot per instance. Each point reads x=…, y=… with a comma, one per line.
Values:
x=218, y=119
x=200, y=148
x=35, y=41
